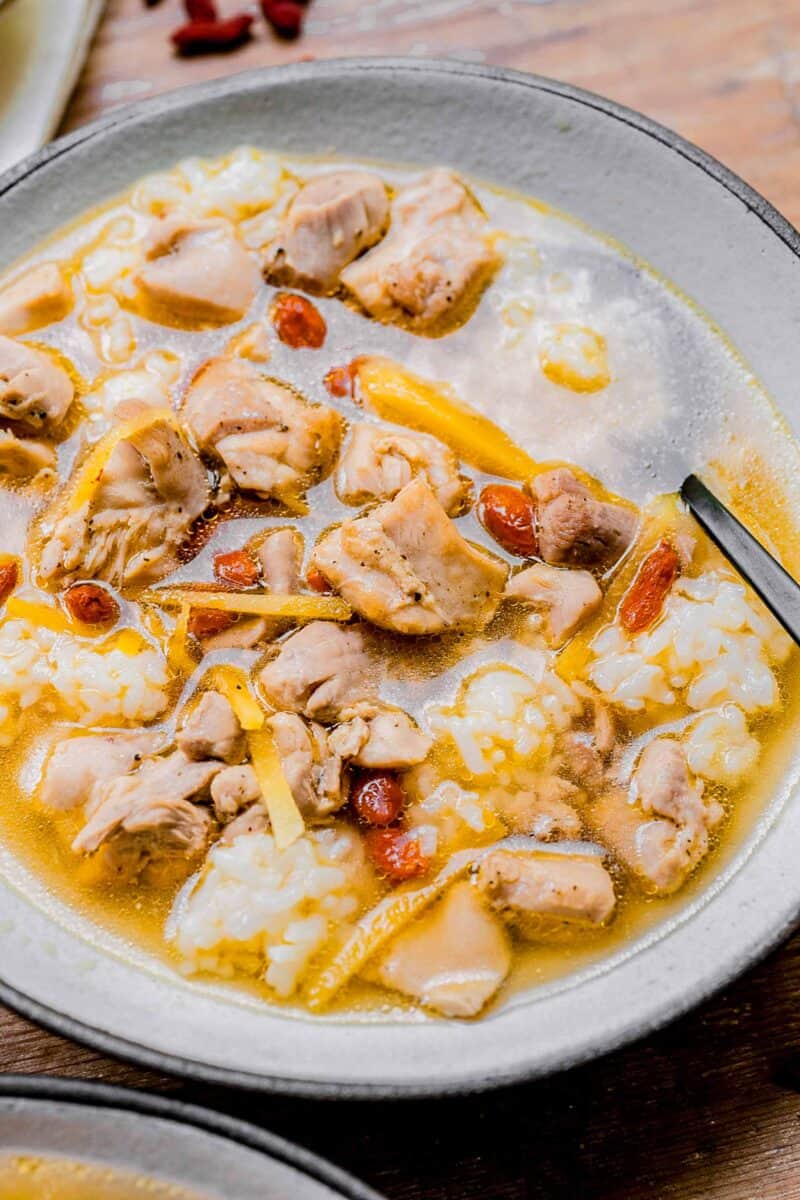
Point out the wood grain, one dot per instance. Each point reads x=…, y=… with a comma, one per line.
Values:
x=709, y=1107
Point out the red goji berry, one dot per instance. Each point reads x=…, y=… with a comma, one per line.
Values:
x=9, y=578
x=377, y=797
x=395, y=853
x=236, y=568
x=317, y=582
x=285, y=16
x=341, y=381
x=644, y=599
x=211, y=37
x=201, y=10
x=298, y=323
x=205, y=622
x=510, y=517
x=91, y=604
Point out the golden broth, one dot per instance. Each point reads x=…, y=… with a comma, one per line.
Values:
x=29, y=1177
x=638, y=433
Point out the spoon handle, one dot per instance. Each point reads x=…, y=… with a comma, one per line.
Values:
x=776, y=587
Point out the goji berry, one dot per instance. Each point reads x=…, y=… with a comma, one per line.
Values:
x=298, y=322
x=205, y=622
x=236, y=568
x=644, y=599
x=285, y=16
x=211, y=37
x=317, y=582
x=509, y=515
x=341, y=381
x=396, y=854
x=9, y=578
x=91, y=604
x=201, y=10
x=377, y=797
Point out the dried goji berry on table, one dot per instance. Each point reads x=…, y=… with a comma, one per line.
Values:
x=396, y=853
x=9, y=578
x=509, y=515
x=205, y=622
x=377, y=797
x=91, y=604
x=210, y=37
x=285, y=16
x=201, y=10
x=236, y=568
x=298, y=322
x=644, y=599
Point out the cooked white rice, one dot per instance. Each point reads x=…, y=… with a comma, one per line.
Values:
x=92, y=683
x=237, y=186
x=506, y=716
x=715, y=645
x=270, y=912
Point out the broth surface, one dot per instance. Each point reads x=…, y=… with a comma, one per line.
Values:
x=678, y=398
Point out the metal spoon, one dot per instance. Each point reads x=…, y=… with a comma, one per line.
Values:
x=776, y=587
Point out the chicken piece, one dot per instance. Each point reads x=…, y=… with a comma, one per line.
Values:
x=405, y=566
x=280, y=556
x=212, y=730
x=320, y=670
x=376, y=736
x=272, y=441
x=197, y=270
x=244, y=634
x=76, y=764
x=435, y=257
x=377, y=463
x=253, y=820
x=574, y=528
x=40, y=297
x=156, y=799
x=657, y=851
x=23, y=458
x=330, y=221
x=312, y=770
x=542, y=894
x=151, y=489
x=452, y=960
x=661, y=828
x=234, y=789
x=34, y=390
x=543, y=811
x=567, y=598
x=581, y=760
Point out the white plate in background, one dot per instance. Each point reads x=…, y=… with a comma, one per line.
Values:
x=43, y=45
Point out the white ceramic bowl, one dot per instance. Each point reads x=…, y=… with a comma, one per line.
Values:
x=692, y=220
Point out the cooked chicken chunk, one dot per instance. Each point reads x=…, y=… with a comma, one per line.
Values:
x=34, y=390
x=76, y=764
x=253, y=820
x=280, y=557
x=234, y=789
x=661, y=829
x=40, y=297
x=319, y=671
x=540, y=893
x=197, y=271
x=377, y=463
x=406, y=567
x=312, y=770
x=154, y=799
x=212, y=730
x=271, y=440
x=452, y=960
x=566, y=598
x=330, y=221
x=376, y=736
x=574, y=528
x=435, y=256
x=151, y=489
x=23, y=458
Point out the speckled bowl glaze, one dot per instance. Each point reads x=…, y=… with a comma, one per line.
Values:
x=694, y=222
x=173, y=1143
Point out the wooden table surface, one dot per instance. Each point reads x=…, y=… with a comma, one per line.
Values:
x=708, y=1107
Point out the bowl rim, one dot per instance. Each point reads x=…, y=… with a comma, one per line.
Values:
x=469, y=1080
x=84, y=1093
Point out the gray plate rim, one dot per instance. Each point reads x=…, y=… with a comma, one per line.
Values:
x=86, y=1093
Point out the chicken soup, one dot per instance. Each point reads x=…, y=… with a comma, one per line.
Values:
x=354, y=645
